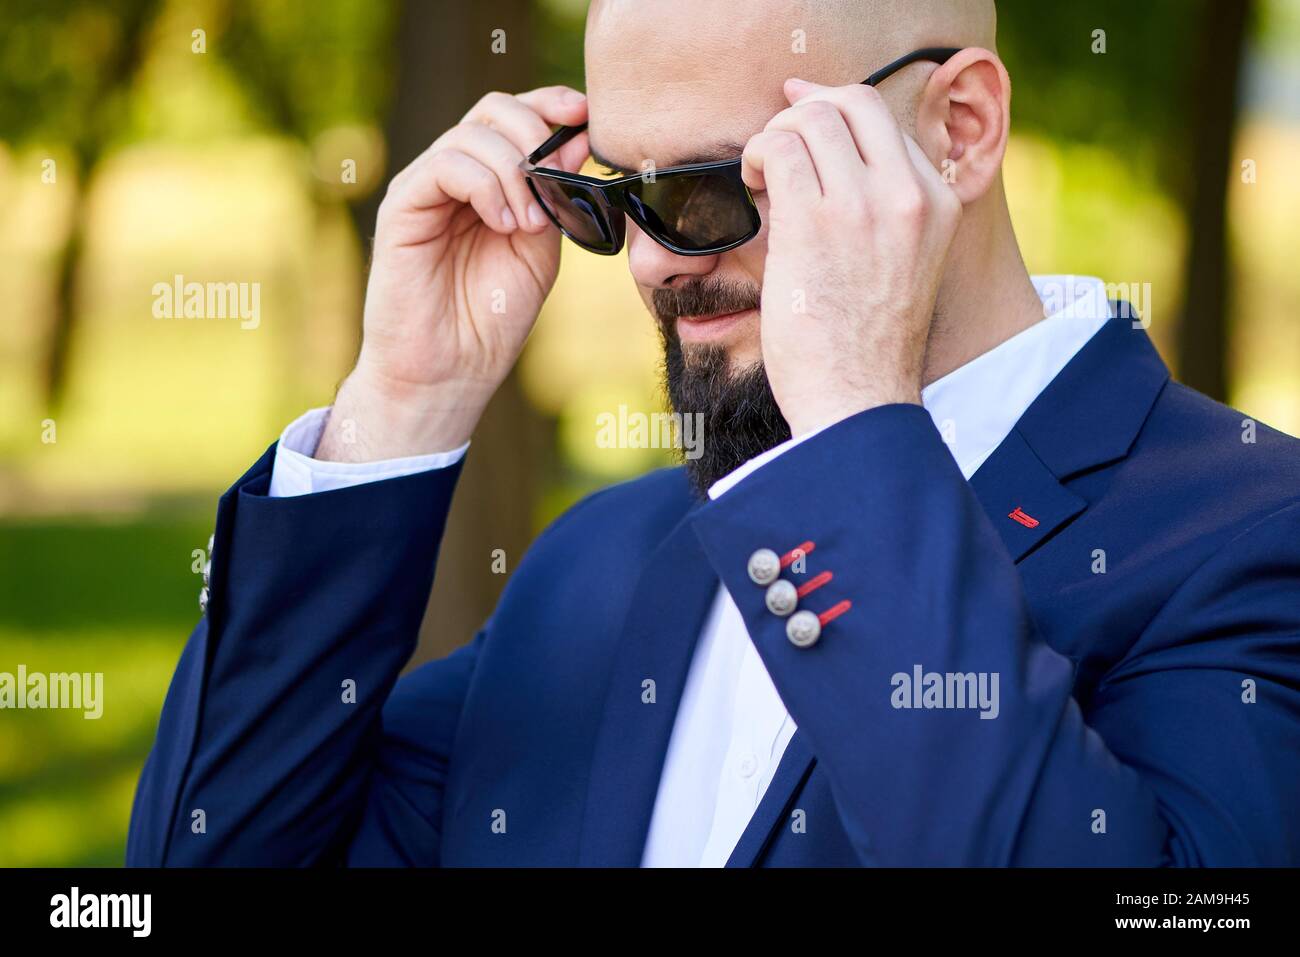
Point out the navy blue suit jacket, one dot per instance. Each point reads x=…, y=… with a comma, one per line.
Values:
x=1149, y=713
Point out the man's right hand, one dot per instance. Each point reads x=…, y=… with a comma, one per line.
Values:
x=463, y=259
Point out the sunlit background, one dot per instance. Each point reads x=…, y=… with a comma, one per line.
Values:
x=134, y=149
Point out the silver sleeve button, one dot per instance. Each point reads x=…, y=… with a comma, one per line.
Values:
x=803, y=629
x=782, y=597
x=764, y=566
x=207, y=573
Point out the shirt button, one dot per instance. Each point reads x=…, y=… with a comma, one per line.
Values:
x=764, y=566
x=748, y=765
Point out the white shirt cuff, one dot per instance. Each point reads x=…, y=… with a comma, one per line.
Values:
x=733, y=478
x=295, y=472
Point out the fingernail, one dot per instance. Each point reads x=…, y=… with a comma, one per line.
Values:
x=573, y=97
x=536, y=216
x=508, y=218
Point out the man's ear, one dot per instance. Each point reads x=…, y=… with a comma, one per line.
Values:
x=963, y=121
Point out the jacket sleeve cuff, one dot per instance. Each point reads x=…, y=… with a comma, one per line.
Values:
x=296, y=472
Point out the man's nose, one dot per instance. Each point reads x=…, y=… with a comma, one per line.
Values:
x=654, y=267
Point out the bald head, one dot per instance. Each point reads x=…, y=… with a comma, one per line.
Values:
x=681, y=80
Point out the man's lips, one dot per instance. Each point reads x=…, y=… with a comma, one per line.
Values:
x=712, y=327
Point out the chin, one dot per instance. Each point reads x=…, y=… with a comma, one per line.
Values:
x=741, y=357
x=744, y=357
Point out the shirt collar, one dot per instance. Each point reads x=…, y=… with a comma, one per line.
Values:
x=975, y=406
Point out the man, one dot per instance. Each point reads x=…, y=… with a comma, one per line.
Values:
x=961, y=578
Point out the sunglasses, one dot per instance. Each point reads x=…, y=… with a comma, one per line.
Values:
x=700, y=209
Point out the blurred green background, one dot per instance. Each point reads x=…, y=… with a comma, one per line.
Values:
x=140, y=139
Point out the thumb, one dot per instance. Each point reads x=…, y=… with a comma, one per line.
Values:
x=796, y=89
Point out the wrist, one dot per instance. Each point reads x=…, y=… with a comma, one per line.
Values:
x=826, y=410
x=375, y=419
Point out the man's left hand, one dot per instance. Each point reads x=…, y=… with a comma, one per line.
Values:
x=860, y=223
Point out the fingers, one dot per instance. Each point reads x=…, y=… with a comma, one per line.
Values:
x=942, y=195
x=471, y=175
x=778, y=161
x=921, y=163
x=829, y=142
x=849, y=146
x=453, y=175
x=557, y=105
x=874, y=129
x=526, y=120
x=494, y=151
x=477, y=161
x=572, y=154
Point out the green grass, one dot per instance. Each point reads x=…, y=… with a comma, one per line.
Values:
x=116, y=597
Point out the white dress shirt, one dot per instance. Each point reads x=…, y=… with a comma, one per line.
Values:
x=731, y=728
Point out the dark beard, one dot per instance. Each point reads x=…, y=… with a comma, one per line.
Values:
x=740, y=416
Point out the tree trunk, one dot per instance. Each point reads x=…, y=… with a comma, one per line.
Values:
x=119, y=74
x=64, y=308
x=445, y=63
x=1203, y=340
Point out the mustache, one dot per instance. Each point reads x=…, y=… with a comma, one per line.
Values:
x=708, y=296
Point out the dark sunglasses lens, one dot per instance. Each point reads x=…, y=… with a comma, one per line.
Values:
x=694, y=211
x=577, y=211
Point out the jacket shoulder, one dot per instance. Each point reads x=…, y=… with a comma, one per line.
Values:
x=1217, y=464
x=1225, y=433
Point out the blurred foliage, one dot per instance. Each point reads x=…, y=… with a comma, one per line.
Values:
x=114, y=597
x=63, y=64
x=560, y=28
x=302, y=67
x=1120, y=99
x=307, y=73
x=1278, y=29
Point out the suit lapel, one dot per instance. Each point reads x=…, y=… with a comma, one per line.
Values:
x=1088, y=416
x=1025, y=502
x=664, y=621
x=1091, y=413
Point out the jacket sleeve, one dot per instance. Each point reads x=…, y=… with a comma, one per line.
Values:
x=1170, y=764
x=282, y=739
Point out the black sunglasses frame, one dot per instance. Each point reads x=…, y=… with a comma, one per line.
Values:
x=612, y=194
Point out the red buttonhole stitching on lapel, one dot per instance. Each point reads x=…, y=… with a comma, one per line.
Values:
x=1026, y=520
x=794, y=553
x=830, y=614
x=813, y=584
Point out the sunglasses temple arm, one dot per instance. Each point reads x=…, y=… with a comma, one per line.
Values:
x=558, y=139
x=940, y=55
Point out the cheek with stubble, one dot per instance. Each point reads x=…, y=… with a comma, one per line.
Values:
x=745, y=348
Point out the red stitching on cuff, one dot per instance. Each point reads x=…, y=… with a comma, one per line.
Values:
x=830, y=614
x=788, y=558
x=813, y=584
